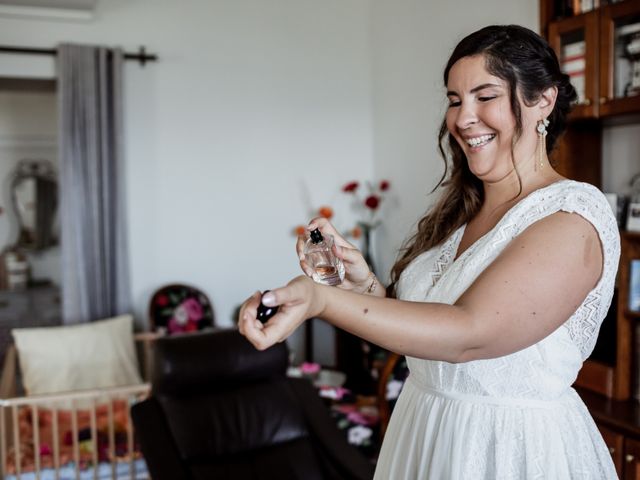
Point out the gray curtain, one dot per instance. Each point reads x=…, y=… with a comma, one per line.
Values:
x=95, y=281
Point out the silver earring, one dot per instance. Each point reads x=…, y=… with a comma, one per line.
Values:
x=541, y=128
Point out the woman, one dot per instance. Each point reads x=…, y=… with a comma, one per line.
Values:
x=499, y=295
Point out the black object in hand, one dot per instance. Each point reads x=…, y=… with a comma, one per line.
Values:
x=264, y=312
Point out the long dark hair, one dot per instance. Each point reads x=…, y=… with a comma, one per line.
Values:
x=529, y=66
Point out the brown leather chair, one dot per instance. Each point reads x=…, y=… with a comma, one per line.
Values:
x=220, y=409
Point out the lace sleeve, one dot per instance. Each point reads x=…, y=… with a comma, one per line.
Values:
x=588, y=202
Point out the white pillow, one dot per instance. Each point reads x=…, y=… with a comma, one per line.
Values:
x=77, y=357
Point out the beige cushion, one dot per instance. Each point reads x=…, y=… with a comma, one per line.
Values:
x=76, y=357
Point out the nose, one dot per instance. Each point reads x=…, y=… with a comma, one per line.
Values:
x=466, y=116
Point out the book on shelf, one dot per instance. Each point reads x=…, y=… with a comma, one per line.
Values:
x=634, y=285
x=573, y=63
x=587, y=5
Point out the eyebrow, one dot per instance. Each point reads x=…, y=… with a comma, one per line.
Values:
x=475, y=89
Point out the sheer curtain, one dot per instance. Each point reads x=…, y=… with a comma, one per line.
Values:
x=95, y=281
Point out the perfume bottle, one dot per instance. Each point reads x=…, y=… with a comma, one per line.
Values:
x=327, y=268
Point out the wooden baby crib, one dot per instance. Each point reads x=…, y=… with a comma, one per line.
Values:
x=79, y=435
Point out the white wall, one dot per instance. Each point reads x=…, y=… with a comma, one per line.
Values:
x=254, y=107
x=411, y=43
x=620, y=157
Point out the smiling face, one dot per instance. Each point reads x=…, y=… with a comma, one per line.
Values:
x=481, y=120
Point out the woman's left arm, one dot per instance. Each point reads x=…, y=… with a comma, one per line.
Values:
x=534, y=286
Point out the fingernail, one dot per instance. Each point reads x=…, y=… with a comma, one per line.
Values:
x=269, y=299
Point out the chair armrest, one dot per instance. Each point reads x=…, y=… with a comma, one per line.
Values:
x=144, y=348
x=157, y=444
x=351, y=462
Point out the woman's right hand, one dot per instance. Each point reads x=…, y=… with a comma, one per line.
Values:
x=357, y=273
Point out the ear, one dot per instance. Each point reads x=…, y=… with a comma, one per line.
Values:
x=547, y=101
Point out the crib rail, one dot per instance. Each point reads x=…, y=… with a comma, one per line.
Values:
x=11, y=436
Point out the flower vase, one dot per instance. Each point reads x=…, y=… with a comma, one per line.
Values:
x=366, y=245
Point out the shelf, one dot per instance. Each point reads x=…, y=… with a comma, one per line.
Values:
x=632, y=314
x=597, y=377
x=630, y=235
x=623, y=415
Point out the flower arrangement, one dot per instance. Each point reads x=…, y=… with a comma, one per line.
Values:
x=368, y=205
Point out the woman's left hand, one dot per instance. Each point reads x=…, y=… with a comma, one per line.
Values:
x=299, y=300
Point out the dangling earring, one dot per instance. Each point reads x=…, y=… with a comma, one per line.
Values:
x=542, y=144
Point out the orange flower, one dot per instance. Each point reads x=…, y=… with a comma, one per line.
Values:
x=356, y=232
x=326, y=212
x=300, y=230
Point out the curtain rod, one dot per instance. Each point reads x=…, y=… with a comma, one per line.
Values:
x=141, y=56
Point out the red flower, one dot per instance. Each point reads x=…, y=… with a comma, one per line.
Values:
x=300, y=230
x=350, y=187
x=326, y=212
x=384, y=185
x=162, y=301
x=372, y=202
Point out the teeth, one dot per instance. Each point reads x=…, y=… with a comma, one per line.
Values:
x=481, y=140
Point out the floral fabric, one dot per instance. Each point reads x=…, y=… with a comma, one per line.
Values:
x=180, y=308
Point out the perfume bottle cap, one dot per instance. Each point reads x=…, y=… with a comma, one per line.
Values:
x=265, y=313
x=316, y=236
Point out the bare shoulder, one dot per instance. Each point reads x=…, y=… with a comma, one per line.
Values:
x=564, y=235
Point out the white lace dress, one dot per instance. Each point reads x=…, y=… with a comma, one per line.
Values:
x=513, y=417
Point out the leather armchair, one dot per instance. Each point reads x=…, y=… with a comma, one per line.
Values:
x=220, y=409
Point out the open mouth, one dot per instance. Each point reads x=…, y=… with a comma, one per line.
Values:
x=480, y=141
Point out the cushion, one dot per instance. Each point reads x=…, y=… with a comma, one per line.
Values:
x=77, y=357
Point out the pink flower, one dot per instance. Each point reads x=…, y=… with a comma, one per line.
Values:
x=350, y=187
x=193, y=309
x=384, y=185
x=372, y=202
x=173, y=326
x=309, y=368
x=361, y=418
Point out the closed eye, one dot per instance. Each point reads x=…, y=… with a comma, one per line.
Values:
x=454, y=104
x=485, y=99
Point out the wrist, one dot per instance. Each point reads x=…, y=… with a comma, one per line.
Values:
x=370, y=285
x=320, y=296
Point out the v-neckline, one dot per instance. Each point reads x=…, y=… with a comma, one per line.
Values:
x=458, y=255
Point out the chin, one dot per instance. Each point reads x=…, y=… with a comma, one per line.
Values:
x=480, y=169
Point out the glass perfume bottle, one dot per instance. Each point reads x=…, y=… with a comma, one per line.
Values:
x=327, y=268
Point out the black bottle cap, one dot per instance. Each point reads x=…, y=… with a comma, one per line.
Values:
x=264, y=312
x=316, y=236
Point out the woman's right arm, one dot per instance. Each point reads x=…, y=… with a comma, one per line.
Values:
x=358, y=277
